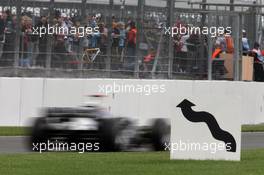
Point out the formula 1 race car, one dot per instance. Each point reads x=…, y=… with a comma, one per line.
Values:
x=92, y=124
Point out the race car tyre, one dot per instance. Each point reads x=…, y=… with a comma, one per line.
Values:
x=160, y=134
x=38, y=134
x=116, y=134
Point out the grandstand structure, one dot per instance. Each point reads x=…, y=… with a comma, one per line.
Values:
x=151, y=16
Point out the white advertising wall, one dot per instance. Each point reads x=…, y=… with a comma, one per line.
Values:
x=21, y=98
x=31, y=99
x=10, y=96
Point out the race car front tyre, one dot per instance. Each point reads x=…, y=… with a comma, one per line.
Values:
x=38, y=134
x=116, y=134
x=160, y=134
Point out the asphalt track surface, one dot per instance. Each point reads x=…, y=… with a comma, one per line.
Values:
x=18, y=144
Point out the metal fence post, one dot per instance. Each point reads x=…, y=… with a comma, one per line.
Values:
x=18, y=34
x=108, y=55
x=170, y=6
x=210, y=47
x=80, y=49
x=83, y=9
x=140, y=20
x=231, y=9
x=240, y=44
x=50, y=39
x=202, y=65
x=237, y=48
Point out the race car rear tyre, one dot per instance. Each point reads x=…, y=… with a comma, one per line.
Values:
x=160, y=134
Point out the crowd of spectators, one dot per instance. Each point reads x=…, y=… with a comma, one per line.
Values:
x=225, y=44
x=189, y=45
x=7, y=37
x=67, y=48
x=188, y=50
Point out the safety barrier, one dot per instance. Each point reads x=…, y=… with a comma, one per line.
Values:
x=21, y=98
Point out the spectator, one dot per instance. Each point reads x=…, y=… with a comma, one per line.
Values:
x=94, y=37
x=219, y=46
x=115, y=62
x=259, y=58
x=258, y=63
x=114, y=23
x=3, y=25
x=102, y=44
x=7, y=58
x=183, y=52
x=25, y=39
x=76, y=42
x=67, y=24
x=122, y=40
x=221, y=43
x=245, y=42
x=3, y=18
x=193, y=46
x=229, y=43
x=177, y=53
x=60, y=44
x=149, y=60
x=42, y=46
x=131, y=46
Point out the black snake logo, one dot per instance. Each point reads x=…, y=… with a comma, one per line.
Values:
x=209, y=119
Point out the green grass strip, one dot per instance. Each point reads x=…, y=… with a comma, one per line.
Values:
x=143, y=163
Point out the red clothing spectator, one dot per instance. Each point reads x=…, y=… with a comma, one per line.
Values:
x=132, y=35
